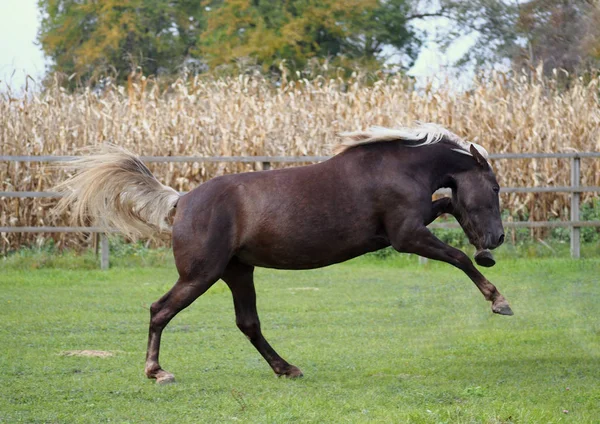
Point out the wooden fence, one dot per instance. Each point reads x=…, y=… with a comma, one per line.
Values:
x=574, y=189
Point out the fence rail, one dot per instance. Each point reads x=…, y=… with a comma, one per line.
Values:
x=574, y=189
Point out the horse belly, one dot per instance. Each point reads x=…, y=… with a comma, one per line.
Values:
x=301, y=252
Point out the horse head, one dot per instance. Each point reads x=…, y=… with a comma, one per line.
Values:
x=477, y=204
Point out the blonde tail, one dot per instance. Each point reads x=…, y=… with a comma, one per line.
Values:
x=113, y=189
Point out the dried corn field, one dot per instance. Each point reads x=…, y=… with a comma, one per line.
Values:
x=247, y=115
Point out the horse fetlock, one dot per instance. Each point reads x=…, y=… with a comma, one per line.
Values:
x=152, y=365
x=152, y=369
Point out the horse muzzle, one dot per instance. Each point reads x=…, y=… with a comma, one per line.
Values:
x=490, y=240
x=483, y=256
x=494, y=241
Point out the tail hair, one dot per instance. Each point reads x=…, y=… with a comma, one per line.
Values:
x=113, y=189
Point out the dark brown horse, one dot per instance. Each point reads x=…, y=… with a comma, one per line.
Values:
x=374, y=193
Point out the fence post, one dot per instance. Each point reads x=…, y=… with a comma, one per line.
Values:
x=575, y=179
x=266, y=166
x=96, y=243
x=104, y=252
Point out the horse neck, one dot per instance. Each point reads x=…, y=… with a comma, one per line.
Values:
x=432, y=166
x=442, y=163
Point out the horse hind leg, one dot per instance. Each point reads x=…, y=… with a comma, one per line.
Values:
x=239, y=278
x=183, y=293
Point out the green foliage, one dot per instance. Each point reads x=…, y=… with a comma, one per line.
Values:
x=298, y=30
x=93, y=38
x=377, y=344
x=452, y=236
x=48, y=256
x=590, y=211
x=122, y=254
x=90, y=39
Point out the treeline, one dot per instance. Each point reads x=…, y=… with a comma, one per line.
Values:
x=88, y=39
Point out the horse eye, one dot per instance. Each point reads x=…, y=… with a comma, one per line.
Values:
x=496, y=189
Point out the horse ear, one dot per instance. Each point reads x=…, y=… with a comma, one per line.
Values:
x=478, y=156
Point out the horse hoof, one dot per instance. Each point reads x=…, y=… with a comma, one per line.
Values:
x=484, y=258
x=292, y=372
x=502, y=308
x=165, y=378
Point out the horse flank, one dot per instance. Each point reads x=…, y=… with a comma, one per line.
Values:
x=425, y=133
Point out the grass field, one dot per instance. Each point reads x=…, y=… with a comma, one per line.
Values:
x=378, y=341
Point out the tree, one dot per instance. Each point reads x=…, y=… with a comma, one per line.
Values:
x=562, y=34
x=90, y=38
x=491, y=22
x=297, y=30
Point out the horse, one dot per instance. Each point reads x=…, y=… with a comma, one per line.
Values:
x=375, y=192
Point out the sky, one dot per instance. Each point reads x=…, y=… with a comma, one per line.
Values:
x=21, y=56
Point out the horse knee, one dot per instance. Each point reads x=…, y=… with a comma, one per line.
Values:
x=250, y=327
x=461, y=260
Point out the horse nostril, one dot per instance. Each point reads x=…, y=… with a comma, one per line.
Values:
x=501, y=240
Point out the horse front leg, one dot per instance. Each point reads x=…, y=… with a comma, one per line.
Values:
x=422, y=242
x=442, y=206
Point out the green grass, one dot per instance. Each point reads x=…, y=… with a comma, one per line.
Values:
x=378, y=341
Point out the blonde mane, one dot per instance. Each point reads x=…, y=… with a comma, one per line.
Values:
x=424, y=133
